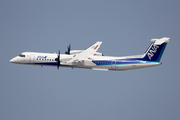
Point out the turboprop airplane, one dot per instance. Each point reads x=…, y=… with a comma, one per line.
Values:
x=92, y=59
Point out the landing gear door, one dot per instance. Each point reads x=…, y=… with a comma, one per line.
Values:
x=113, y=64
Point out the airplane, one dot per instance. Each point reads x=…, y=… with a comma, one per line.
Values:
x=90, y=58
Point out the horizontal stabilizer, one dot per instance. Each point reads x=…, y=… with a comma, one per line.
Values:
x=160, y=41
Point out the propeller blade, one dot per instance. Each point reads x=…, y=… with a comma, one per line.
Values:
x=69, y=49
x=58, y=60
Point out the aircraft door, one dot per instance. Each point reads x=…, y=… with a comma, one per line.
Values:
x=32, y=58
x=113, y=64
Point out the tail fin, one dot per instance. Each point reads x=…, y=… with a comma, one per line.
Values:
x=156, y=49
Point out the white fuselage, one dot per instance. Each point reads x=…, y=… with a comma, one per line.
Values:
x=94, y=62
x=90, y=58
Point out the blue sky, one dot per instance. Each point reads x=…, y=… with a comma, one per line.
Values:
x=124, y=27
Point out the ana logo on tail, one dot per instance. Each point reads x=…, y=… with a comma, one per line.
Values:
x=153, y=51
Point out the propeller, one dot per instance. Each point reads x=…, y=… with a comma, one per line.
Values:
x=69, y=49
x=58, y=60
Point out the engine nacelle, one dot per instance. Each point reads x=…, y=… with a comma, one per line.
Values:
x=98, y=54
x=73, y=52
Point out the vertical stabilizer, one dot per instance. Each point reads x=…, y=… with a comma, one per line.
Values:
x=156, y=49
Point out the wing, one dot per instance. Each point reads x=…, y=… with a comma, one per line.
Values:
x=85, y=54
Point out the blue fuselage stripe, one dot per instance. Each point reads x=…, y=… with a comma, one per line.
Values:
x=104, y=62
x=121, y=62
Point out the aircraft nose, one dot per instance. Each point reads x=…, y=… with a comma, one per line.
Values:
x=13, y=60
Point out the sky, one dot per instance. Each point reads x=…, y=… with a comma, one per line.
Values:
x=124, y=26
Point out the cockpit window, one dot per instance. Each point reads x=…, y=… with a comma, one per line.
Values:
x=21, y=55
